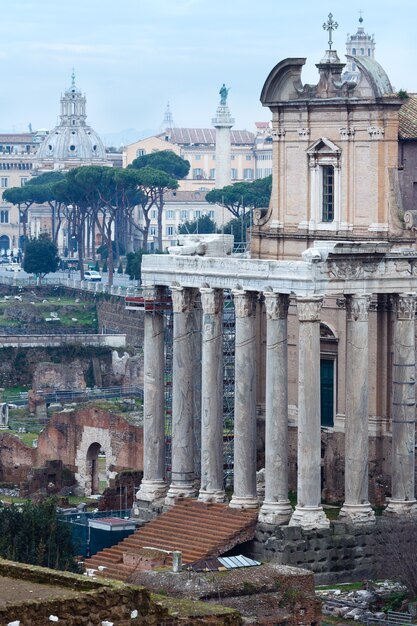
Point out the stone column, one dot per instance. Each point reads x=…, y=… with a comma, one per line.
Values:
x=153, y=485
x=308, y=512
x=182, y=472
x=244, y=490
x=197, y=361
x=276, y=508
x=356, y=507
x=212, y=397
x=403, y=501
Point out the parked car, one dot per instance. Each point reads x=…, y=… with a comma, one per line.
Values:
x=13, y=267
x=92, y=276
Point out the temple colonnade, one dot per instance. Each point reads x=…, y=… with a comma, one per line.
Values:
x=275, y=508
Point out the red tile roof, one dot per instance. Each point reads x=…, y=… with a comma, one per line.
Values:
x=408, y=118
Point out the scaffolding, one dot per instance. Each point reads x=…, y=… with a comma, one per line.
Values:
x=162, y=305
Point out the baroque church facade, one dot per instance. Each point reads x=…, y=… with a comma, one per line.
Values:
x=72, y=143
x=325, y=317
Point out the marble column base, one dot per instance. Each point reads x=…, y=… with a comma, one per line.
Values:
x=357, y=513
x=244, y=502
x=309, y=518
x=276, y=513
x=151, y=490
x=211, y=496
x=179, y=491
x=401, y=508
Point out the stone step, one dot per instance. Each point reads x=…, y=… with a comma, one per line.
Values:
x=201, y=528
x=196, y=529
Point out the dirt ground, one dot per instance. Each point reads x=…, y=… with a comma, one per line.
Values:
x=14, y=590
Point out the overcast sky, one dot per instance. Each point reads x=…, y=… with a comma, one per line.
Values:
x=133, y=56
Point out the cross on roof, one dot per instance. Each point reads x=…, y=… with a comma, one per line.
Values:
x=330, y=26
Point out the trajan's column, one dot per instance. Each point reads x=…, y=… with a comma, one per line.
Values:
x=223, y=122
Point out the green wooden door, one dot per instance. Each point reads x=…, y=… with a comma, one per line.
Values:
x=327, y=391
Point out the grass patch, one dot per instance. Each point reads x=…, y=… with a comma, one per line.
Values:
x=8, y=394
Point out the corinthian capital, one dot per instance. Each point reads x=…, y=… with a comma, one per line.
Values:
x=404, y=306
x=211, y=300
x=244, y=302
x=357, y=307
x=309, y=308
x=276, y=305
x=183, y=299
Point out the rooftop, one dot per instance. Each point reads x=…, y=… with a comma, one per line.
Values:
x=207, y=136
x=408, y=118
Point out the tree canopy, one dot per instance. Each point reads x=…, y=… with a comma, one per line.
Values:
x=168, y=164
x=204, y=225
x=241, y=196
x=41, y=256
x=31, y=533
x=165, y=161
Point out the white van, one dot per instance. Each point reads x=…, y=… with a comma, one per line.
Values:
x=92, y=276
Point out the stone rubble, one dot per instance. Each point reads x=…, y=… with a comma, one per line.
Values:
x=358, y=605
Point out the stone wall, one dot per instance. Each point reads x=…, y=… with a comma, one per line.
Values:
x=16, y=459
x=93, y=602
x=59, y=376
x=113, y=317
x=50, y=478
x=341, y=553
x=70, y=434
x=18, y=365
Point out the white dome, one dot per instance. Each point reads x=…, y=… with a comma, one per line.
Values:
x=72, y=143
x=72, y=140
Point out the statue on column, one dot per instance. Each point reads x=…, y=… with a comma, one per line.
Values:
x=223, y=94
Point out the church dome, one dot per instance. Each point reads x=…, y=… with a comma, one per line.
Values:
x=72, y=142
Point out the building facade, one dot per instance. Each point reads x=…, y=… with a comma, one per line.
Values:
x=325, y=335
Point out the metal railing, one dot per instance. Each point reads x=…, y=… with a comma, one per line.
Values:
x=78, y=395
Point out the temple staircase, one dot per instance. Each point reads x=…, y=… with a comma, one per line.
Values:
x=198, y=530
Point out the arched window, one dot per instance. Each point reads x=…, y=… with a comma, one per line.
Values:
x=4, y=243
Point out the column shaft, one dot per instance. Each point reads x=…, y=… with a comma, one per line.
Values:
x=356, y=507
x=182, y=473
x=309, y=513
x=276, y=508
x=212, y=397
x=153, y=485
x=244, y=490
x=403, y=499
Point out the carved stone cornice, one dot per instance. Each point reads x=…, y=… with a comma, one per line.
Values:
x=309, y=308
x=276, y=305
x=211, y=300
x=404, y=306
x=357, y=307
x=244, y=302
x=183, y=299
